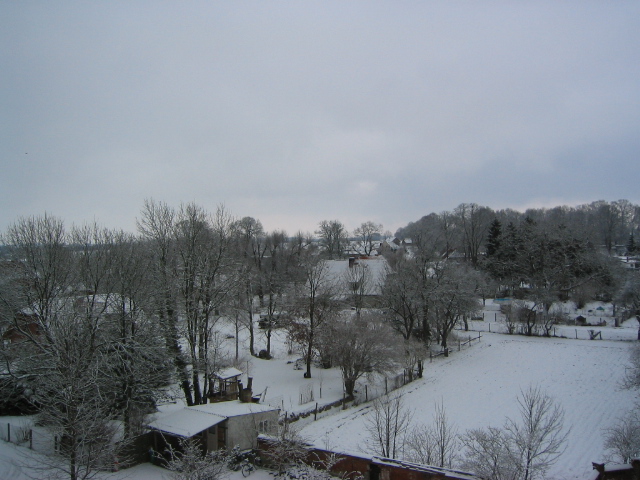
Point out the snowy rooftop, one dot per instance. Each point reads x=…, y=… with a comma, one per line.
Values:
x=377, y=268
x=186, y=422
x=233, y=409
x=228, y=373
x=191, y=420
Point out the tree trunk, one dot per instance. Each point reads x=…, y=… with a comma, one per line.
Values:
x=307, y=374
x=197, y=393
x=349, y=387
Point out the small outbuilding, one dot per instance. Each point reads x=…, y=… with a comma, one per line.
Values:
x=225, y=385
x=215, y=426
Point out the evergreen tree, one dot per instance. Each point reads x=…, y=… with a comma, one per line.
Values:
x=494, y=239
x=632, y=248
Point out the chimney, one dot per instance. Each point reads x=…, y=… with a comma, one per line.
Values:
x=246, y=393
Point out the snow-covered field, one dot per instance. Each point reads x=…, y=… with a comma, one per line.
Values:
x=478, y=387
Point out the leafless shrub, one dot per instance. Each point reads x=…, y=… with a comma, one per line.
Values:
x=622, y=440
x=387, y=425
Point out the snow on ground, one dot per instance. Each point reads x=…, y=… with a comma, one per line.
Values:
x=478, y=386
x=20, y=463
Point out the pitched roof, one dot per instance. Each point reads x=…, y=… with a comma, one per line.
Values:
x=227, y=373
x=191, y=420
x=186, y=422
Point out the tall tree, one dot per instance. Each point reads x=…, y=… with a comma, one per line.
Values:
x=333, y=237
x=60, y=311
x=387, y=425
x=494, y=237
x=474, y=221
x=157, y=226
x=315, y=303
x=252, y=247
x=401, y=297
x=360, y=344
x=453, y=297
x=366, y=233
x=202, y=246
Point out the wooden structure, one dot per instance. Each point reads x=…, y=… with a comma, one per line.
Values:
x=214, y=426
x=610, y=471
x=225, y=385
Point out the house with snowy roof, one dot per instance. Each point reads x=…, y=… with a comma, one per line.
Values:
x=214, y=426
x=364, y=274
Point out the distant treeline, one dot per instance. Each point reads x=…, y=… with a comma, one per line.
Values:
x=466, y=228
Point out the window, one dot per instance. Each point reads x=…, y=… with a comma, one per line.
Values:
x=264, y=426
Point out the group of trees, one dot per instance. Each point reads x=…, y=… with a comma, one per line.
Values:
x=105, y=321
x=523, y=449
x=540, y=256
x=622, y=439
x=465, y=229
x=90, y=355
x=109, y=319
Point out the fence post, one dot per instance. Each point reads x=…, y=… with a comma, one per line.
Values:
x=9, y=432
x=458, y=345
x=479, y=336
x=366, y=392
x=386, y=386
x=430, y=357
x=31, y=439
x=315, y=413
x=576, y=333
x=489, y=327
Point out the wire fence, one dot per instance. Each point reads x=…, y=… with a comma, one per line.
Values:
x=572, y=332
x=374, y=387
x=25, y=434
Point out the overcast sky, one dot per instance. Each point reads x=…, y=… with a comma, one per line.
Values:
x=297, y=112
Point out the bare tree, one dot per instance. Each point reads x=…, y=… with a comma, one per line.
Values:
x=286, y=449
x=629, y=297
x=157, y=226
x=452, y=297
x=402, y=297
x=60, y=312
x=488, y=454
x=632, y=374
x=277, y=272
x=191, y=463
x=415, y=352
x=474, y=222
x=359, y=283
x=360, y=344
x=523, y=449
x=539, y=438
x=366, y=233
x=445, y=436
x=436, y=444
x=333, y=236
x=138, y=364
x=622, y=440
x=387, y=425
x=315, y=304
